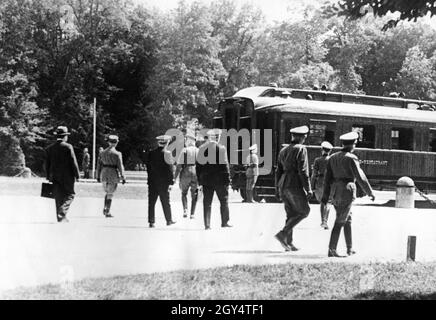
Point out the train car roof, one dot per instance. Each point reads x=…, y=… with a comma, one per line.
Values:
x=351, y=110
x=256, y=94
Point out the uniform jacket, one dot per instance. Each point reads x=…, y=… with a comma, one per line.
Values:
x=160, y=173
x=85, y=161
x=186, y=162
x=293, y=169
x=61, y=165
x=253, y=165
x=342, y=172
x=213, y=174
x=318, y=171
x=110, y=166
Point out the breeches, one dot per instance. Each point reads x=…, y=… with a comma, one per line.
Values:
x=251, y=182
x=109, y=188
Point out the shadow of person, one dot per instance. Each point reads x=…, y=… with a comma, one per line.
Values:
x=419, y=204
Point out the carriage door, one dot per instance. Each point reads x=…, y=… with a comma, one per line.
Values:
x=321, y=130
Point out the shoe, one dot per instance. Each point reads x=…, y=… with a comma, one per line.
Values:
x=350, y=252
x=151, y=225
x=170, y=223
x=226, y=225
x=325, y=226
x=64, y=220
x=282, y=240
x=333, y=253
x=108, y=215
x=292, y=247
x=207, y=228
x=185, y=215
x=192, y=216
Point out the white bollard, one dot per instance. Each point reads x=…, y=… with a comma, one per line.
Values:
x=405, y=195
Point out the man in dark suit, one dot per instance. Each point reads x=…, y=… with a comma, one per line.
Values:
x=62, y=170
x=159, y=178
x=214, y=176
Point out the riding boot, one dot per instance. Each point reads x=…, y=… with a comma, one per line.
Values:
x=109, y=202
x=194, y=203
x=105, y=205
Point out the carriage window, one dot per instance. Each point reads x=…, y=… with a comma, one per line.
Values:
x=321, y=130
x=402, y=138
x=366, y=136
x=432, y=140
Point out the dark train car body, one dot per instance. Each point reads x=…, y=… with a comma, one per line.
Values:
x=396, y=138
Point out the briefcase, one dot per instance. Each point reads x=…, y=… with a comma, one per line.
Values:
x=47, y=190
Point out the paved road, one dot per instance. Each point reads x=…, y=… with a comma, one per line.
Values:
x=34, y=249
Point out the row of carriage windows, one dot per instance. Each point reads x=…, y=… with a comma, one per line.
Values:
x=400, y=138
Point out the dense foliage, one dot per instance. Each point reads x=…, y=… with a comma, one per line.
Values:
x=151, y=70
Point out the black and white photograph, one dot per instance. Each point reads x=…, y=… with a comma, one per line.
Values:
x=217, y=150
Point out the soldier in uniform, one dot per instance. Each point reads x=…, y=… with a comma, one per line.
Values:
x=341, y=174
x=214, y=176
x=188, y=176
x=160, y=178
x=293, y=185
x=109, y=171
x=85, y=163
x=62, y=170
x=317, y=180
x=251, y=173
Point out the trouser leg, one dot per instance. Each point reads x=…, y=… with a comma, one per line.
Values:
x=348, y=234
x=58, y=195
x=297, y=208
x=152, y=198
x=223, y=196
x=325, y=211
x=207, y=204
x=185, y=198
x=164, y=196
x=334, y=237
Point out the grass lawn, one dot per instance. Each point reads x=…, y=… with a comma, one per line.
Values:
x=282, y=281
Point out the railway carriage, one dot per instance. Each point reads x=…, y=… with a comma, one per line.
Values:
x=397, y=137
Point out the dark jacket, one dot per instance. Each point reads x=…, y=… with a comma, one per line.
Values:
x=160, y=173
x=213, y=174
x=61, y=165
x=293, y=169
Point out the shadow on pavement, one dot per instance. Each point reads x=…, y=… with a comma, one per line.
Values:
x=275, y=254
x=419, y=204
x=394, y=295
x=249, y=251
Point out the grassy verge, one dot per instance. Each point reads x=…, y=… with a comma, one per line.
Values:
x=283, y=281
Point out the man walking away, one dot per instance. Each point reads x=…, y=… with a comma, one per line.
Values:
x=159, y=178
x=214, y=176
x=188, y=176
x=110, y=170
x=85, y=163
x=293, y=185
x=62, y=170
x=340, y=180
x=317, y=181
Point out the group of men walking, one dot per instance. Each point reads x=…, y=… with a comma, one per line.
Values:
x=334, y=179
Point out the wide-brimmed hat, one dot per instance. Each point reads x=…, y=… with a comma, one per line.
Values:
x=61, y=131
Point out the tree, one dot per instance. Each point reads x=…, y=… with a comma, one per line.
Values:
x=417, y=77
x=408, y=10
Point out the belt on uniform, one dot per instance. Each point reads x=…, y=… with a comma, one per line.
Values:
x=110, y=166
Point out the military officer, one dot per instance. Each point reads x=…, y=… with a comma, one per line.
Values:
x=160, y=178
x=317, y=180
x=110, y=170
x=251, y=173
x=293, y=185
x=188, y=176
x=62, y=170
x=341, y=174
x=85, y=163
x=214, y=176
